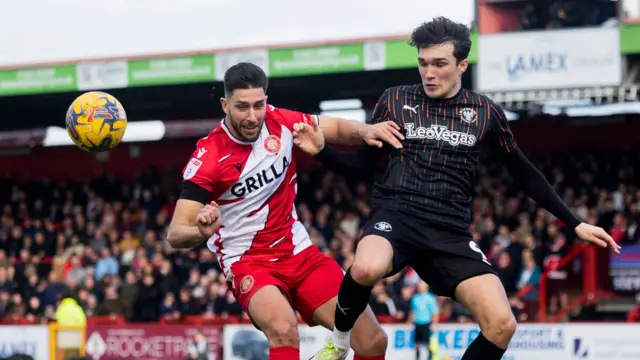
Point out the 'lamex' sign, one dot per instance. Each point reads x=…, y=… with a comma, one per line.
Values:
x=549, y=60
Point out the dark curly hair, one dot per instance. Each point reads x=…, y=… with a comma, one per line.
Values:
x=440, y=31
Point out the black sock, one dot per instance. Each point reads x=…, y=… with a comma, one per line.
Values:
x=417, y=352
x=352, y=300
x=483, y=349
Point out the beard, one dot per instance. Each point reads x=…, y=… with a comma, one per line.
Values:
x=241, y=131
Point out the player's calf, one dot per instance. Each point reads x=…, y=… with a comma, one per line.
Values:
x=368, y=339
x=487, y=301
x=282, y=333
x=374, y=259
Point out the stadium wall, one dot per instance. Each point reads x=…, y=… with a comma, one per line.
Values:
x=594, y=341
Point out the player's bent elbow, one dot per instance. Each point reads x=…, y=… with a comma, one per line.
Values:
x=174, y=241
x=177, y=240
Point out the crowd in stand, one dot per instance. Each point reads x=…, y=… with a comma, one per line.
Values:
x=104, y=240
x=564, y=14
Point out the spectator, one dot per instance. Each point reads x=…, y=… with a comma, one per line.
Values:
x=69, y=312
x=106, y=265
x=381, y=303
x=229, y=307
x=112, y=305
x=199, y=347
x=529, y=277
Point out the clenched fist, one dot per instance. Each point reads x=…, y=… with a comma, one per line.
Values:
x=208, y=219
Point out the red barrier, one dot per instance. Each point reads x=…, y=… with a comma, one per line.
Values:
x=147, y=341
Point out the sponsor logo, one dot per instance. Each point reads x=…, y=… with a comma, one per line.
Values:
x=260, y=179
x=440, y=133
x=95, y=346
x=383, y=226
x=412, y=109
x=201, y=152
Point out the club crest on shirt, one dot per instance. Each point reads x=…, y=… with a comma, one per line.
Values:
x=246, y=284
x=272, y=144
x=468, y=115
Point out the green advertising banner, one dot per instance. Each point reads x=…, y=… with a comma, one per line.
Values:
x=316, y=60
x=38, y=80
x=95, y=75
x=177, y=70
x=630, y=39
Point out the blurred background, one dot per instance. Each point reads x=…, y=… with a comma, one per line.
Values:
x=93, y=225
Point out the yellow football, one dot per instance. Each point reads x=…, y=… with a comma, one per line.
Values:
x=96, y=121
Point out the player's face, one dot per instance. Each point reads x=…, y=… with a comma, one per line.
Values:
x=440, y=72
x=245, y=110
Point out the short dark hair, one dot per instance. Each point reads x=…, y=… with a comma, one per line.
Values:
x=441, y=30
x=244, y=75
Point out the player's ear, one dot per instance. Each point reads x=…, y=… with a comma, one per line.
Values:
x=224, y=104
x=462, y=66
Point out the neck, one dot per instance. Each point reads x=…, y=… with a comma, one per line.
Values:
x=455, y=90
x=227, y=123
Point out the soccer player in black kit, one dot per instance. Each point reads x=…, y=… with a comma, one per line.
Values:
x=422, y=203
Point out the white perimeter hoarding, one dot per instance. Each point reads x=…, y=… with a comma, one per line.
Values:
x=531, y=342
x=25, y=339
x=547, y=60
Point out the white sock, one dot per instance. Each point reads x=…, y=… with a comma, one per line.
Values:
x=341, y=339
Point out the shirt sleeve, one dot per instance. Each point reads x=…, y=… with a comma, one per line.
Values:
x=501, y=135
x=290, y=117
x=413, y=304
x=536, y=186
x=381, y=111
x=199, y=175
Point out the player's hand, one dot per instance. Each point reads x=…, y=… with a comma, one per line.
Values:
x=387, y=131
x=596, y=235
x=208, y=219
x=308, y=138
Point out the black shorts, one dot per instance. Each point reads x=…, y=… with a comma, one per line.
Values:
x=422, y=334
x=442, y=258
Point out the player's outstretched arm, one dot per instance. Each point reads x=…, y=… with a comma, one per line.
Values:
x=310, y=139
x=192, y=223
x=351, y=132
x=536, y=186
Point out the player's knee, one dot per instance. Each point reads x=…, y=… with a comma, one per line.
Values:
x=500, y=330
x=367, y=273
x=379, y=342
x=283, y=333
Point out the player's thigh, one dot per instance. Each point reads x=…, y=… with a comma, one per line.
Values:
x=318, y=279
x=447, y=259
x=265, y=298
x=382, y=251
